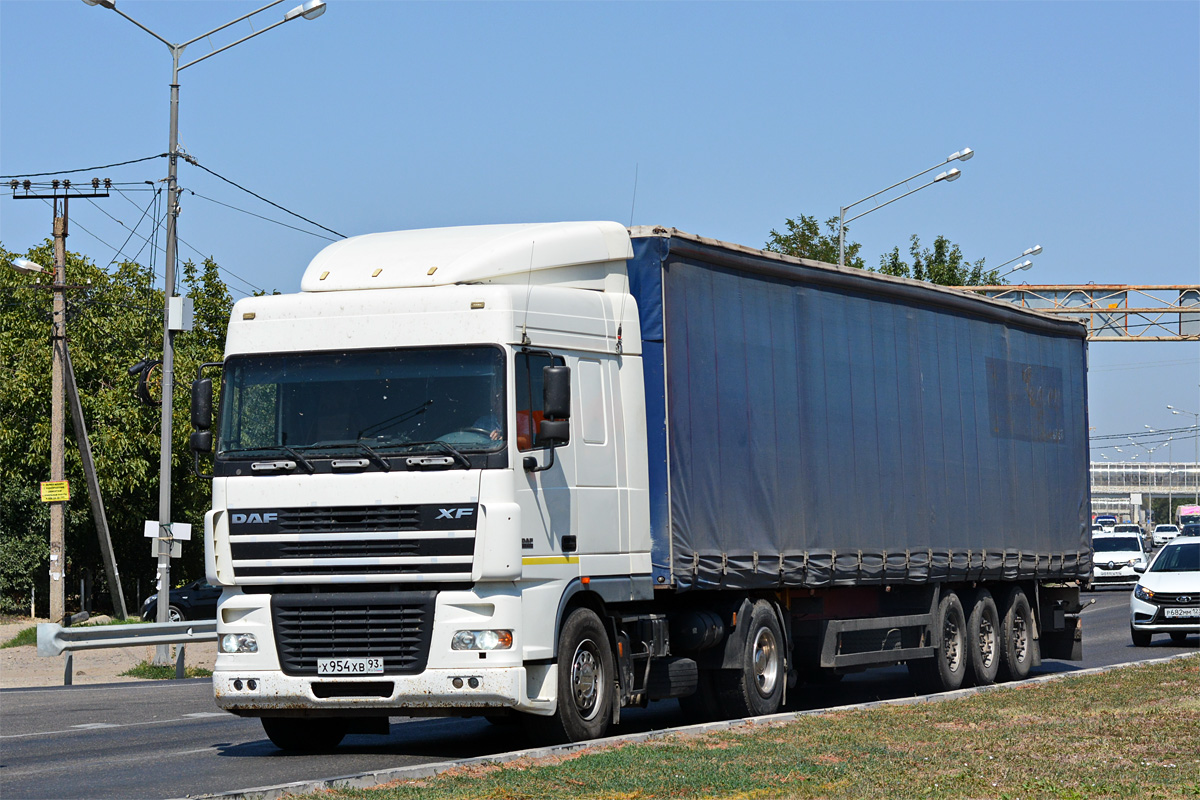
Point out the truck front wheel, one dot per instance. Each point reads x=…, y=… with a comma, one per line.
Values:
x=756, y=689
x=303, y=735
x=586, y=680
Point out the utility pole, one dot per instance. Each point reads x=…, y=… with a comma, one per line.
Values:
x=58, y=342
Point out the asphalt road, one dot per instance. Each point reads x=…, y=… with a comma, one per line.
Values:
x=166, y=739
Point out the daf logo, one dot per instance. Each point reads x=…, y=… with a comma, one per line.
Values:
x=454, y=513
x=254, y=518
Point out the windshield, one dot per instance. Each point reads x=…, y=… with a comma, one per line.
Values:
x=1178, y=558
x=331, y=403
x=1115, y=544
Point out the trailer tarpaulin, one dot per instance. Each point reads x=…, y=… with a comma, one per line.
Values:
x=823, y=428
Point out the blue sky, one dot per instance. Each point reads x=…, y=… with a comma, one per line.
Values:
x=1085, y=118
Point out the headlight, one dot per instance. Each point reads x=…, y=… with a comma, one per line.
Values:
x=239, y=643
x=481, y=640
x=1142, y=593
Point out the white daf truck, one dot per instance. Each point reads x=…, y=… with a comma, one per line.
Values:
x=544, y=472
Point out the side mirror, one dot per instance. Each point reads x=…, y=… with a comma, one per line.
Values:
x=201, y=441
x=554, y=433
x=1139, y=568
x=202, y=396
x=556, y=392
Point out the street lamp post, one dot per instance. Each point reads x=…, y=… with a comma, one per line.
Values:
x=952, y=175
x=1196, y=440
x=311, y=9
x=1032, y=251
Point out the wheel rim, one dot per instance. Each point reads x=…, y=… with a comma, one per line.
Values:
x=174, y=616
x=952, y=639
x=766, y=662
x=987, y=641
x=587, y=679
x=1020, y=638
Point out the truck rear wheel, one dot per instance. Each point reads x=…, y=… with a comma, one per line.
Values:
x=586, y=680
x=1016, y=637
x=946, y=670
x=302, y=735
x=756, y=688
x=983, y=636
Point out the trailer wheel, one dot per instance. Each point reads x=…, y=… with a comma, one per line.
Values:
x=1016, y=637
x=983, y=636
x=756, y=688
x=301, y=735
x=586, y=678
x=946, y=670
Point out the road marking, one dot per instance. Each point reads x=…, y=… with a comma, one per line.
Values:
x=95, y=725
x=201, y=714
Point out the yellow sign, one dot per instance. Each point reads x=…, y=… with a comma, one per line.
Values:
x=56, y=491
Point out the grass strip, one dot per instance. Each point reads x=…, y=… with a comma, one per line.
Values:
x=1127, y=733
x=163, y=673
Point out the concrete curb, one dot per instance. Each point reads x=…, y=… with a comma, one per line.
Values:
x=368, y=780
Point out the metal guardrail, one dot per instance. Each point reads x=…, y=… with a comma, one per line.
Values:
x=53, y=639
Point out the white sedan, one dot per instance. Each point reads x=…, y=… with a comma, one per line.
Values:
x=1164, y=533
x=1114, y=556
x=1167, y=596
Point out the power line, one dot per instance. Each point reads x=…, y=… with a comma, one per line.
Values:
x=265, y=200
x=84, y=169
x=259, y=216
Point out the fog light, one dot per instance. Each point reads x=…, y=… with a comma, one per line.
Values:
x=457, y=682
x=473, y=683
x=252, y=684
x=482, y=640
x=237, y=684
x=239, y=643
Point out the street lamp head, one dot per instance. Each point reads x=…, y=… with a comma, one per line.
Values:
x=1026, y=265
x=309, y=10
x=962, y=155
x=952, y=175
x=1033, y=251
x=109, y=4
x=26, y=266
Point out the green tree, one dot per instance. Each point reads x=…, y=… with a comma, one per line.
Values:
x=804, y=239
x=114, y=319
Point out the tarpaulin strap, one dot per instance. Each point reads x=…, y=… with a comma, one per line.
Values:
x=860, y=564
x=724, y=563
x=756, y=561
x=695, y=563
x=803, y=567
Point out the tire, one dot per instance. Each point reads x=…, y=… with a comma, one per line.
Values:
x=755, y=689
x=302, y=735
x=1140, y=638
x=983, y=639
x=586, y=683
x=947, y=669
x=1016, y=637
x=1178, y=637
x=174, y=614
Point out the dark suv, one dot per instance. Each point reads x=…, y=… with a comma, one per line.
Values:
x=197, y=600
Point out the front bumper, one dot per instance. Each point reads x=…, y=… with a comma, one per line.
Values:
x=433, y=691
x=1152, y=618
x=1122, y=574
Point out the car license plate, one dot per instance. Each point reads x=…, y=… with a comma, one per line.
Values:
x=1109, y=573
x=349, y=666
x=1177, y=613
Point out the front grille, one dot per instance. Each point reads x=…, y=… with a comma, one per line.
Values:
x=1182, y=599
x=353, y=548
x=394, y=626
x=287, y=570
x=341, y=519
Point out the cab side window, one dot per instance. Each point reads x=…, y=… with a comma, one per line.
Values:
x=529, y=395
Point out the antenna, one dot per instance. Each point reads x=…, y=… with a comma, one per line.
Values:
x=633, y=205
x=528, y=291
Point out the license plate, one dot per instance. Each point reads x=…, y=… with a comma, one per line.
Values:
x=1109, y=573
x=1177, y=613
x=349, y=666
